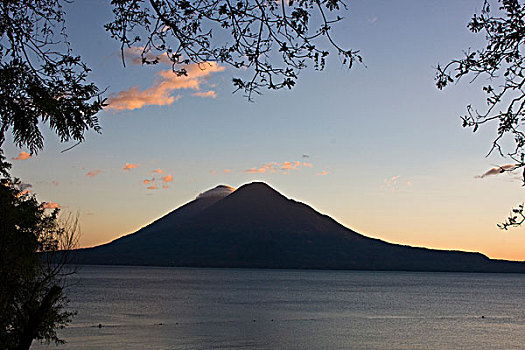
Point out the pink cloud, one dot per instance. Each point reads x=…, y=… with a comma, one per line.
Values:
x=227, y=171
x=210, y=94
x=271, y=167
x=93, y=173
x=165, y=186
x=499, y=170
x=160, y=93
x=23, y=193
x=158, y=171
x=22, y=156
x=284, y=167
x=50, y=205
x=167, y=178
x=152, y=187
x=322, y=173
x=147, y=181
x=129, y=166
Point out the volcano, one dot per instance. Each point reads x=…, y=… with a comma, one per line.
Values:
x=257, y=227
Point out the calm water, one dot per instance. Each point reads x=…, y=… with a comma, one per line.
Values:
x=177, y=308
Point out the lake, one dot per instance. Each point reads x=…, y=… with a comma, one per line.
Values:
x=196, y=308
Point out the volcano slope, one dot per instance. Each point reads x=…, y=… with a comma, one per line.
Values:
x=257, y=227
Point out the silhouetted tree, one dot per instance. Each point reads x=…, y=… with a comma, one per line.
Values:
x=502, y=64
x=32, y=271
x=271, y=40
x=40, y=79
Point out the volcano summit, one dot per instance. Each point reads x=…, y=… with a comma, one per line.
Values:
x=256, y=226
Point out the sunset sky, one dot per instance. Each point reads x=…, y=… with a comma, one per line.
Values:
x=377, y=147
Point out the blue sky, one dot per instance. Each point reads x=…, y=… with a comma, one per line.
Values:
x=388, y=155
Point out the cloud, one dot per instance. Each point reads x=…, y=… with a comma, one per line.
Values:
x=23, y=186
x=136, y=56
x=322, y=173
x=23, y=193
x=394, y=184
x=24, y=189
x=227, y=171
x=371, y=20
x=148, y=181
x=152, y=187
x=22, y=156
x=290, y=165
x=129, y=166
x=274, y=167
x=158, y=171
x=219, y=191
x=167, y=178
x=270, y=167
x=160, y=93
x=50, y=205
x=498, y=170
x=391, y=183
x=210, y=93
x=93, y=173
x=165, y=186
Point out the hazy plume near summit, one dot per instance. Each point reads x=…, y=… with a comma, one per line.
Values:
x=219, y=191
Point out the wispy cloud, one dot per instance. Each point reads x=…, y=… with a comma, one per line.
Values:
x=22, y=156
x=274, y=167
x=322, y=173
x=149, y=181
x=23, y=186
x=286, y=166
x=227, y=171
x=93, y=173
x=130, y=166
x=498, y=170
x=158, y=171
x=152, y=187
x=395, y=184
x=210, y=94
x=160, y=93
x=268, y=167
x=50, y=205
